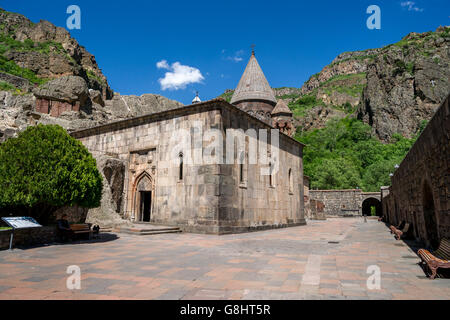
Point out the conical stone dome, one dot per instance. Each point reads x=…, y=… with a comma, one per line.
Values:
x=253, y=85
x=281, y=109
x=253, y=93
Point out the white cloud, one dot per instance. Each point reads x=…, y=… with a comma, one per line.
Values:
x=411, y=5
x=237, y=57
x=162, y=65
x=179, y=76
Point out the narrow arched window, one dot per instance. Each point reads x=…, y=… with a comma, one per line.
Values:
x=291, y=181
x=270, y=175
x=181, y=167
x=241, y=167
x=241, y=173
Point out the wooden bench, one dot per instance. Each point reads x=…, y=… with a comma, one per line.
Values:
x=81, y=229
x=438, y=259
x=400, y=226
x=402, y=233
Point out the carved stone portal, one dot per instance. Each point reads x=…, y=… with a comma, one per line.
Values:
x=142, y=177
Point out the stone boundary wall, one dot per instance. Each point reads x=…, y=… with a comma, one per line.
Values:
x=419, y=193
x=317, y=210
x=343, y=202
x=28, y=237
x=339, y=202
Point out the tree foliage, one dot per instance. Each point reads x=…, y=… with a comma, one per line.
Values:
x=43, y=169
x=345, y=155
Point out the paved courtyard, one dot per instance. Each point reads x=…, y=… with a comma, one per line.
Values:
x=323, y=260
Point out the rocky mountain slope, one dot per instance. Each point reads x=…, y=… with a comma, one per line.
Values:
x=406, y=83
x=42, y=63
x=18, y=111
x=42, y=51
x=393, y=89
x=47, y=77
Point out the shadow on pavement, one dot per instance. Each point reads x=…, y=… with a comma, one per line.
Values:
x=103, y=237
x=415, y=245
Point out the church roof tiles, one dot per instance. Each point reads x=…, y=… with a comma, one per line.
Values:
x=281, y=108
x=253, y=84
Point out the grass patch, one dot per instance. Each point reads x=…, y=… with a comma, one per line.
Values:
x=227, y=96
x=300, y=106
x=288, y=96
x=354, y=90
x=8, y=43
x=6, y=86
x=346, y=108
x=11, y=67
x=369, y=57
x=93, y=76
x=346, y=77
x=401, y=67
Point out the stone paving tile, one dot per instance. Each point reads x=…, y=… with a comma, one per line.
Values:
x=294, y=263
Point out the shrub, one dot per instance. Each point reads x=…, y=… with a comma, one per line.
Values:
x=5, y=86
x=44, y=169
x=12, y=68
x=345, y=154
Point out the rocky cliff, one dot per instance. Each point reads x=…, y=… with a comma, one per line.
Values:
x=42, y=51
x=47, y=77
x=18, y=111
x=393, y=89
x=406, y=83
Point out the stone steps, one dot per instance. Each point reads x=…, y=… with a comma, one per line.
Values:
x=158, y=232
x=147, y=230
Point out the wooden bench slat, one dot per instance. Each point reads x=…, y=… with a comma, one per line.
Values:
x=443, y=251
x=438, y=259
x=81, y=228
x=400, y=233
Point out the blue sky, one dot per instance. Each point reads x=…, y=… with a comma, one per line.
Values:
x=211, y=40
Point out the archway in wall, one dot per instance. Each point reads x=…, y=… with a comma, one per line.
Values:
x=429, y=214
x=372, y=207
x=143, y=195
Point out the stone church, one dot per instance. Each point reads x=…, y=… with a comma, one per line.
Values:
x=207, y=197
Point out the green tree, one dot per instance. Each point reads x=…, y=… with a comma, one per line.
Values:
x=44, y=169
x=335, y=174
x=345, y=155
x=377, y=174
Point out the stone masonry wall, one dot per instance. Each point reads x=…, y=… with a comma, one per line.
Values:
x=343, y=202
x=28, y=237
x=144, y=150
x=209, y=198
x=55, y=108
x=339, y=202
x=419, y=193
x=254, y=203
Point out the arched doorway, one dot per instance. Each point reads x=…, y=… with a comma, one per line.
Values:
x=429, y=215
x=372, y=207
x=143, y=195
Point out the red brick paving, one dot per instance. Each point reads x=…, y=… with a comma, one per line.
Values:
x=264, y=265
